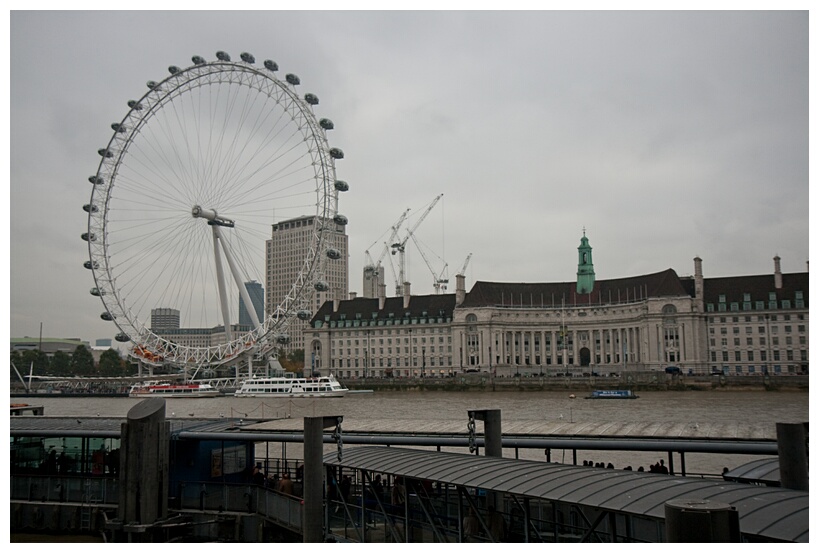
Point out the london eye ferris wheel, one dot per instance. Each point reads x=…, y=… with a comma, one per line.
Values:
x=184, y=199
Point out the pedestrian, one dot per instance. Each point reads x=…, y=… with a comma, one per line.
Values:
x=285, y=484
x=272, y=481
x=496, y=524
x=399, y=494
x=346, y=485
x=472, y=526
x=258, y=476
x=378, y=488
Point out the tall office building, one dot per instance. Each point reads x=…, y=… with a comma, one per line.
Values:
x=285, y=255
x=164, y=318
x=256, y=293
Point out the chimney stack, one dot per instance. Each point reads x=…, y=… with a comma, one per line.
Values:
x=460, y=289
x=406, y=295
x=382, y=295
x=699, y=284
x=777, y=273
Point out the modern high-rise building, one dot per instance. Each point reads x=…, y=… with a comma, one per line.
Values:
x=164, y=318
x=256, y=293
x=285, y=254
x=373, y=279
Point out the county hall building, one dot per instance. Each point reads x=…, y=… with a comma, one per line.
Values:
x=733, y=325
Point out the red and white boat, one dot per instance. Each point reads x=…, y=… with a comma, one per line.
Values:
x=168, y=389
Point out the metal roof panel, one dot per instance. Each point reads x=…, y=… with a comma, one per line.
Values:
x=772, y=513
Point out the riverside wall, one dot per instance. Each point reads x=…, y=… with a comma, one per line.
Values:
x=636, y=381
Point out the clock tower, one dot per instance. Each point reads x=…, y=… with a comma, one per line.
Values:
x=585, y=267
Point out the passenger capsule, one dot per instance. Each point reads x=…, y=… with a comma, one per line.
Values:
x=340, y=219
x=333, y=253
x=91, y=265
x=222, y=56
x=292, y=79
x=133, y=104
x=96, y=292
x=341, y=186
x=104, y=152
x=94, y=179
x=106, y=316
x=336, y=153
x=321, y=286
x=247, y=58
x=118, y=127
x=326, y=124
x=89, y=237
x=311, y=99
x=198, y=60
x=271, y=65
x=122, y=337
x=173, y=70
x=90, y=208
x=303, y=314
x=152, y=85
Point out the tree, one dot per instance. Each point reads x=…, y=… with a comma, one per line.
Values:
x=61, y=364
x=82, y=362
x=293, y=361
x=16, y=358
x=296, y=357
x=111, y=363
x=34, y=357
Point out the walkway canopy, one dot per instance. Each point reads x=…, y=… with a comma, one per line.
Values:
x=765, y=513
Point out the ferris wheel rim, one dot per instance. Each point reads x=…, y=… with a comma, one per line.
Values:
x=243, y=74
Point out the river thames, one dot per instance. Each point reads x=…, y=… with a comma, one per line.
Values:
x=406, y=410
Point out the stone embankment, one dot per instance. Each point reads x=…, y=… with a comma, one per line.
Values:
x=636, y=381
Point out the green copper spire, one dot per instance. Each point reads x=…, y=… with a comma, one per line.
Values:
x=585, y=267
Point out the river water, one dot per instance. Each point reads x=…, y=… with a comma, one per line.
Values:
x=691, y=407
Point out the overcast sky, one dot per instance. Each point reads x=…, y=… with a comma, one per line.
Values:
x=666, y=135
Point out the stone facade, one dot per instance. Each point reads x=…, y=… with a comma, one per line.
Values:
x=734, y=326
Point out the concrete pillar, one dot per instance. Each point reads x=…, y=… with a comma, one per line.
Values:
x=143, y=464
x=493, y=440
x=313, y=521
x=701, y=521
x=791, y=441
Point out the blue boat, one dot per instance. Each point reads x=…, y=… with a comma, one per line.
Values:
x=612, y=394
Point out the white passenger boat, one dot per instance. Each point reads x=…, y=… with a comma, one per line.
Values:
x=291, y=386
x=168, y=389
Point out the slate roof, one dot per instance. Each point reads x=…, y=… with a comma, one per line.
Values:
x=735, y=288
x=553, y=294
x=436, y=305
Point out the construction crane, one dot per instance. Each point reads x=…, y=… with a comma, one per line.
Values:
x=400, y=247
x=376, y=265
x=439, y=280
x=463, y=269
